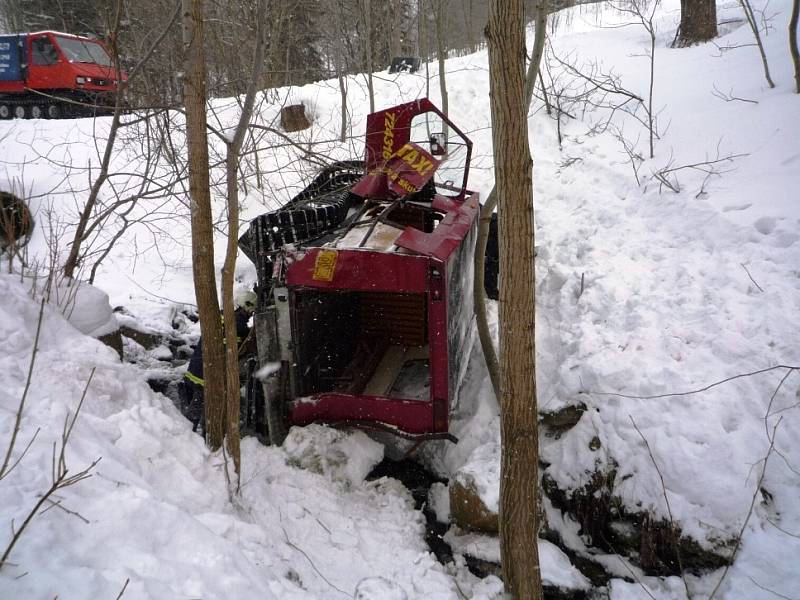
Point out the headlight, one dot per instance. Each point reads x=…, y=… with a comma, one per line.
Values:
x=81, y=80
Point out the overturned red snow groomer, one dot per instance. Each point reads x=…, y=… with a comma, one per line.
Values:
x=365, y=285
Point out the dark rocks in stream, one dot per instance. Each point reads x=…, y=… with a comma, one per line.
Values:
x=418, y=481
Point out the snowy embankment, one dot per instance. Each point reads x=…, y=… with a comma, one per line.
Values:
x=641, y=291
x=156, y=510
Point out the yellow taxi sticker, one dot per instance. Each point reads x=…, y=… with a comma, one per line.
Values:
x=325, y=265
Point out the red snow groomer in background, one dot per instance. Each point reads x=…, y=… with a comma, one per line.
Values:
x=365, y=285
x=51, y=75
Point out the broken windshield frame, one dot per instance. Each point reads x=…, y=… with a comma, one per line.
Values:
x=82, y=51
x=435, y=133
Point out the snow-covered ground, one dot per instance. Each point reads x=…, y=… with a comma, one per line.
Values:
x=641, y=292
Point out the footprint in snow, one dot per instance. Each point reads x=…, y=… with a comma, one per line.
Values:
x=765, y=225
x=736, y=207
x=379, y=588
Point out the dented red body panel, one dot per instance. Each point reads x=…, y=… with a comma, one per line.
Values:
x=435, y=255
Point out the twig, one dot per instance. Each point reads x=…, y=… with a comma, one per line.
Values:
x=4, y=470
x=23, y=453
x=751, y=20
x=160, y=297
x=669, y=508
x=751, y=277
x=769, y=412
x=709, y=167
x=628, y=568
x=57, y=504
x=311, y=562
x=124, y=587
x=301, y=551
x=749, y=511
x=773, y=592
x=779, y=528
x=691, y=392
x=60, y=478
x=729, y=97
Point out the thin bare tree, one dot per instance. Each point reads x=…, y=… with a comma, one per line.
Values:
x=232, y=159
x=751, y=20
x=205, y=285
x=793, y=42
x=519, y=476
x=368, y=51
x=438, y=9
x=479, y=293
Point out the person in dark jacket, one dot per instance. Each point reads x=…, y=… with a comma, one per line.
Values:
x=194, y=385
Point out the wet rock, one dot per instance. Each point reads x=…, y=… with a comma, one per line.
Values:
x=114, y=341
x=483, y=568
x=169, y=386
x=467, y=510
x=651, y=543
x=557, y=422
x=149, y=340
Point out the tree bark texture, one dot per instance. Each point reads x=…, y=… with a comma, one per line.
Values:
x=505, y=33
x=698, y=22
x=205, y=286
x=492, y=364
x=793, y=42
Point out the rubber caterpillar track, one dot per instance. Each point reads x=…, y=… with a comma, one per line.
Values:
x=313, y=213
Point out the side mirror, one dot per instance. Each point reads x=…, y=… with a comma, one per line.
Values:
x=438, y=144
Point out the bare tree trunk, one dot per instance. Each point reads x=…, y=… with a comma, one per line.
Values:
x=648, y=23
x=540, y=29
x=395, y=33
x=793, y=42
x=473, y=47
x=505, y=33
x=73, y=258
x=424, y=46
x=341, y=75
x=751, y=20
x=441, y=53
x=698, y=22
x=205, y=286
x=479, y=293
x=83, y=228
x=368, y=52
x=343, y=95
x=228, y=270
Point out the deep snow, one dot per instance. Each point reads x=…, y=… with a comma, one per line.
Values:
x=640, y=291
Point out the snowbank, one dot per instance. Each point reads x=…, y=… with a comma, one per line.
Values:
x=156, y=510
